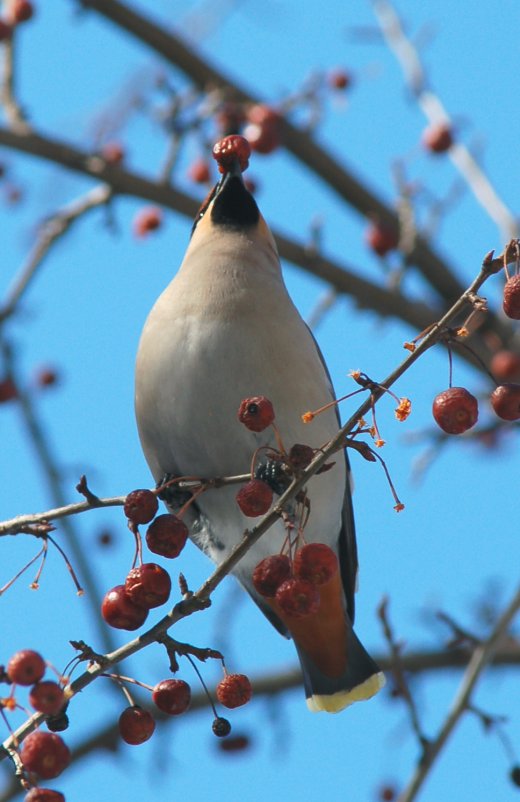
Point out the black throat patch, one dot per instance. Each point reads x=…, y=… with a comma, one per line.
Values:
x=234, y=206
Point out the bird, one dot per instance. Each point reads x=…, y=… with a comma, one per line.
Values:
x=225, y=329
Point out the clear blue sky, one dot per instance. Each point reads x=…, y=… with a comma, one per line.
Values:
x=84, y=314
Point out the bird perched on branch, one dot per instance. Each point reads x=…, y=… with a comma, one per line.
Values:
x=224, y=330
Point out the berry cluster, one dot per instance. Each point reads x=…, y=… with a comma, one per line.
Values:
x=148, y=585
x=294, y=584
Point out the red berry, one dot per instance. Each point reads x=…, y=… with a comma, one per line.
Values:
x=381, y=238
x=167, y=536
x=339, y=79
x=315, y=562
x=26, y=667
x=300, y=456
x=387, y=793
x=141, y=506
x=136, y=725
x=235, y=744
x=221, y=727
x=199, y=171
x=264, y=129
x=6, y=31
x=8, y=390
x=146, y=220
x=505, y=366
x=148, y=585
x=43, y=795
x=511, y=302
x=231, y=149
x=505, y=401
x=234, y=690
x=46, y=377
x=20, y=11
x=113, y=152
x=45, y=753
x=269, y=574
x=172, y=696
x=254, y=498
x=438, y=137
x=256, y=413
x=47, y=697
x=298, y=597
x=120, y=611
x=455, y=410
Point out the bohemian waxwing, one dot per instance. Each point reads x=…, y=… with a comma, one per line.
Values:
x=225, y=329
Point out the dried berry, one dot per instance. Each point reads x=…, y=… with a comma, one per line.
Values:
x=167, y=536
x=298, y=597
x=172, y=696
x=254, y=498
x=438, y=137
x=455, y=410
x=43, y=795
x=315, y=562
x=505, y=401
x=120, y=611
x=141, y=506
x=147, y=220
x=221, y=727
x=511, y=303
x=381, y=238
x=256, y=413
x=148, y=585
x=45, y=753
x=47, y=697
x=136, y=725
x=300, y=456
x=26, y=667
x=234, y=690
x=231, y=149
x=269, y=574
x=505, y=366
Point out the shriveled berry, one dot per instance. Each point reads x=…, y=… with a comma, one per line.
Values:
x=339, y=79
x=256, y=413
x=45, y=753
x=47, y=697
x=8, y=390
x=235, y=744
x=315, y=562
x=234, y=690
x=231, y=149
x=511, y=303
x=221, y=727
x=455, y=410
x=254, y=498
x=146, y=220
x=120, y=611
x=148, y=585
x=199, y=171
x=300, y=456
x=381, y=238
x=505, y=366
x=438, y=137
x=113, y=152
x=136, y=725
x=20, y=11
x=269, y=574
x=298, y=597
x=43, y=795
x=167, y=536
x=26, y=667
x=505, y=401
x=263, y=131
x=140, y=506
x=172, y=696
x=58, y=723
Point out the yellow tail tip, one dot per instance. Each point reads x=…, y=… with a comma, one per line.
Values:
x=335, y=702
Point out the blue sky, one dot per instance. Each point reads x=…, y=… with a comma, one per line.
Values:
x=84, y=313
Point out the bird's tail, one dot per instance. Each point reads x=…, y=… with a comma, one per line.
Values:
x=361, y=678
